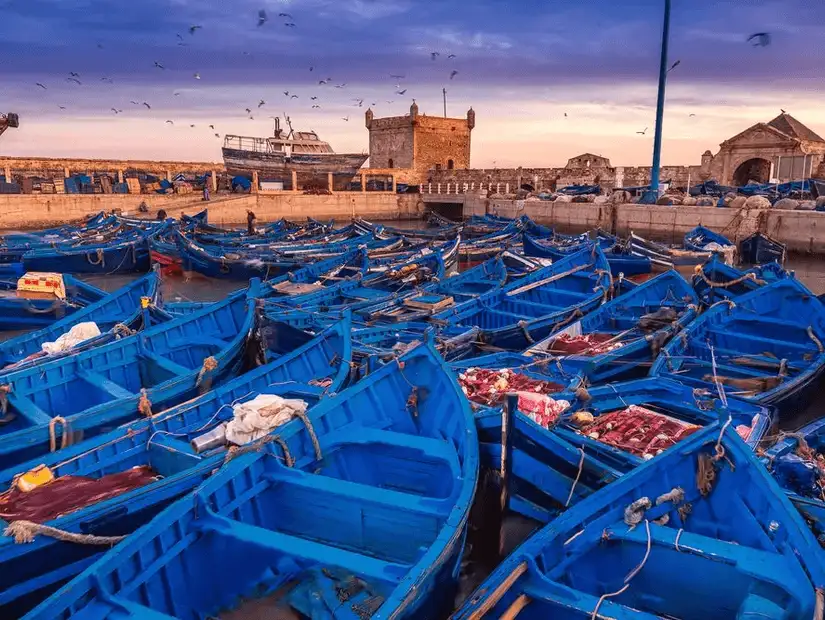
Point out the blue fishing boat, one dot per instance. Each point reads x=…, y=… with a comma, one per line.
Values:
x=620, y=258
x=112, y=484
x=537, y=305
x=114, y=312
x=57, y=403
x=357, y=531
x=758, y=248
x=666, y=542
x=32, y=310
x=663, y=257
x=129, y=254
x=715, y=280
x=766, y=346
x=375, y=288
x=436, y=296
x=620, y=339
x=598, y=434
x=703, y=239
x=795, y=461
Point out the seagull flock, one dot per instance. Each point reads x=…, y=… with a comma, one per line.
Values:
x=758, y=39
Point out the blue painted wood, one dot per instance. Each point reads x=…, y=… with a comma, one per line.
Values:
x=98, y=389
x=792, y=461
x=18, y=311
x=642, y=321
x=715, y=280
x=538, y=304
x=759, y=248
x=620, y=258
x=32, y=571
x=547, y=461
x=768, y=345
x=741, y=551
x=119, y=307
x=386, y=504
x=699, y=237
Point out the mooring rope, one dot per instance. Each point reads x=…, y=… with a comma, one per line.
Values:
x=25, y=532
x=65, y=434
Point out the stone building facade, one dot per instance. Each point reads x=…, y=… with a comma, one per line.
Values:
x=783, y=149
x=416, y=143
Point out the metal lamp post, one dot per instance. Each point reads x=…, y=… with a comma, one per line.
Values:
x=653, y=194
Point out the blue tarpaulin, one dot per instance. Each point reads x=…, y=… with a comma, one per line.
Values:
x=242, y=183
x=580, y=190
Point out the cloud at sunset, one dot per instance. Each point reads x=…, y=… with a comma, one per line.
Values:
x=520, y=65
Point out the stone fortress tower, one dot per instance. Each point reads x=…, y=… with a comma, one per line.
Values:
x=417, y=142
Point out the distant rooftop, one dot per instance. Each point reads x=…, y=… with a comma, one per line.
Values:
x=788, y=125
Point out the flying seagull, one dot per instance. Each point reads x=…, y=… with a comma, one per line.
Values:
x=451, y=56
x=248, y=111
x=107, y=79
x=158, y=65
x=262, y=18
x=148, y=107
x=191, y=125
x=62, y=107
x=293, y=96
x=192, y=29
x=760, y=39
x=217, y=135
x=116, y=111
x=397, y=77
x=691, y=115
x=176, y=94
x=261, y=102
x=401, y=92
x=340, y=85
x=434, y=55
x=211, y=127
x=197, y=76
x=313, y=98
x=565, y=115
x=453, y=74
x=289, y=25
x=316, y=106
x=783, y=111
x=323, y=81
x=74, y=80
x=393, y=101
x=345, y=118
x=73, y=74
x=40, y=85
x=170, y=122
x=285, y=15
x=642, y=132
x=177, y=34
x=286, y=93
x=134, y=102
x=674, y=65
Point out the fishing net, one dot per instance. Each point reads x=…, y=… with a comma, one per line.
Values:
x=69, y=493
x=489, y=387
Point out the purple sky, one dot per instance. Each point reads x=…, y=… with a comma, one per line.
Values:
x=521, y=65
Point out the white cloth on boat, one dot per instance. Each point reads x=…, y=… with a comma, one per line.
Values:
x=257, y=417
x=728, y=252
x=72, y=338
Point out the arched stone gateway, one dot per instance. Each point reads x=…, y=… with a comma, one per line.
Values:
x=755, y=169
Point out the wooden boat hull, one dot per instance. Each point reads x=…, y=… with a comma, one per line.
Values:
x=416, y=521
x=123, y=257
x=658, y=557
x=244, y=162
x=96, y=390
x=35, y=570
x=620, y=261
x=758, y=249
x=121, y=307
x=766, y=347
x=19, y=311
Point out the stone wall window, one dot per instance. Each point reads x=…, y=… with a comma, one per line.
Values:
x=450, y=164
x=390, y=164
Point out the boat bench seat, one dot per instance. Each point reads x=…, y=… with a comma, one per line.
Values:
x=430, y=447
x=26, y=407
x=361, y=493
x=165, y=364
x=102, y=383
x=203, y=340
x=325, y=555
x=804, y=348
